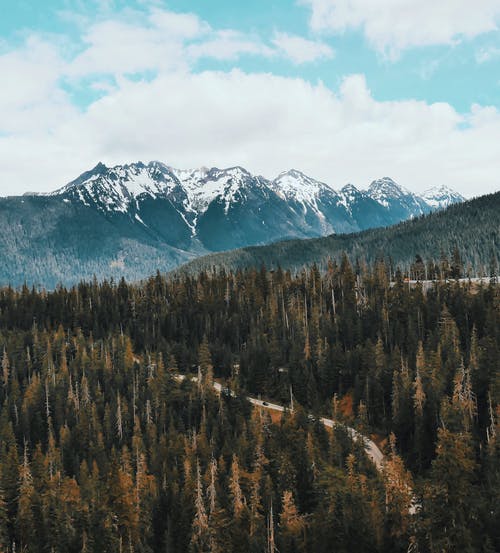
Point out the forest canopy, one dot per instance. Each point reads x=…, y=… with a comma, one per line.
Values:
x=104, y=449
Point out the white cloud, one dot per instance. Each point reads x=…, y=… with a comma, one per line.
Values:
x=300, y=50
x=395, y=25
x=266, y=123
x=117, y=47
x=229, y=45
x=186, y=118
x=160, y=41
x=178, y=25
x=30, y=97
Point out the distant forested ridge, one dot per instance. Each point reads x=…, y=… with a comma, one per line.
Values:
x=472, y=227
x=103, y=450
x=45, y=241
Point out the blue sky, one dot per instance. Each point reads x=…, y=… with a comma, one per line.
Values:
x=346, y=90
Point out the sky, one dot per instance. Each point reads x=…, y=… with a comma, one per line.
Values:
x=346, y=91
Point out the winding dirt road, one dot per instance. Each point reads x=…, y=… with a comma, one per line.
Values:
x=371, y=448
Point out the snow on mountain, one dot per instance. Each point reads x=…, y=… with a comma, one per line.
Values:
x=205, y=203
x=385, y=190
x=294, y=185
x=439, y=197
x=349, y=195
x=203, y=186
x=393, y=196
x=308, y=197
x=115, y=189
x=349, y=191
x=191, y=180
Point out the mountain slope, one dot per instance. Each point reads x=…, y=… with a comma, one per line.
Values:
x=473, y=227
x=44, y=240
x=131, y=220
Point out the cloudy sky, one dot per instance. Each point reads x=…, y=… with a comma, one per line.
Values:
x=344, y=90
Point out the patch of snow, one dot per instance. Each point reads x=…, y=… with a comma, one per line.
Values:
x=204, y=185
x=139, y=219
x=347, y=196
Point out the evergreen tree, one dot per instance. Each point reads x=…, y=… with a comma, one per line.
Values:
x=449, y=508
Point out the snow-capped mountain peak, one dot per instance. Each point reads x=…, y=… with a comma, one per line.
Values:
x=350, y=190
x=295, y=185
x=441, y=196
x=384, y=188
x=349, y=195
x=390, y=194
x=114, y=189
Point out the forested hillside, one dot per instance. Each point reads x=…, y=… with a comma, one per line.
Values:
x=102, y=449
x=46, y=241
x=473, y=227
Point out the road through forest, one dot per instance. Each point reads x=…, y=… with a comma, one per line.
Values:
x=371, y=448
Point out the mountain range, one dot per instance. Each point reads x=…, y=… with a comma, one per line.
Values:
x=471, y=227
x=131, y=220
x=226, y=208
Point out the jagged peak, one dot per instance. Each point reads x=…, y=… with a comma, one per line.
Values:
x=441, y=189
x=297, y=186
x=384, y=181
x=236, y=171
x=299, y=178
x=202, y=174
x=100, y=168
x=350, y=189
x=440, y=196
x=187, y=174
x=115, y=189
x=293, y=173
x=386, y=186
